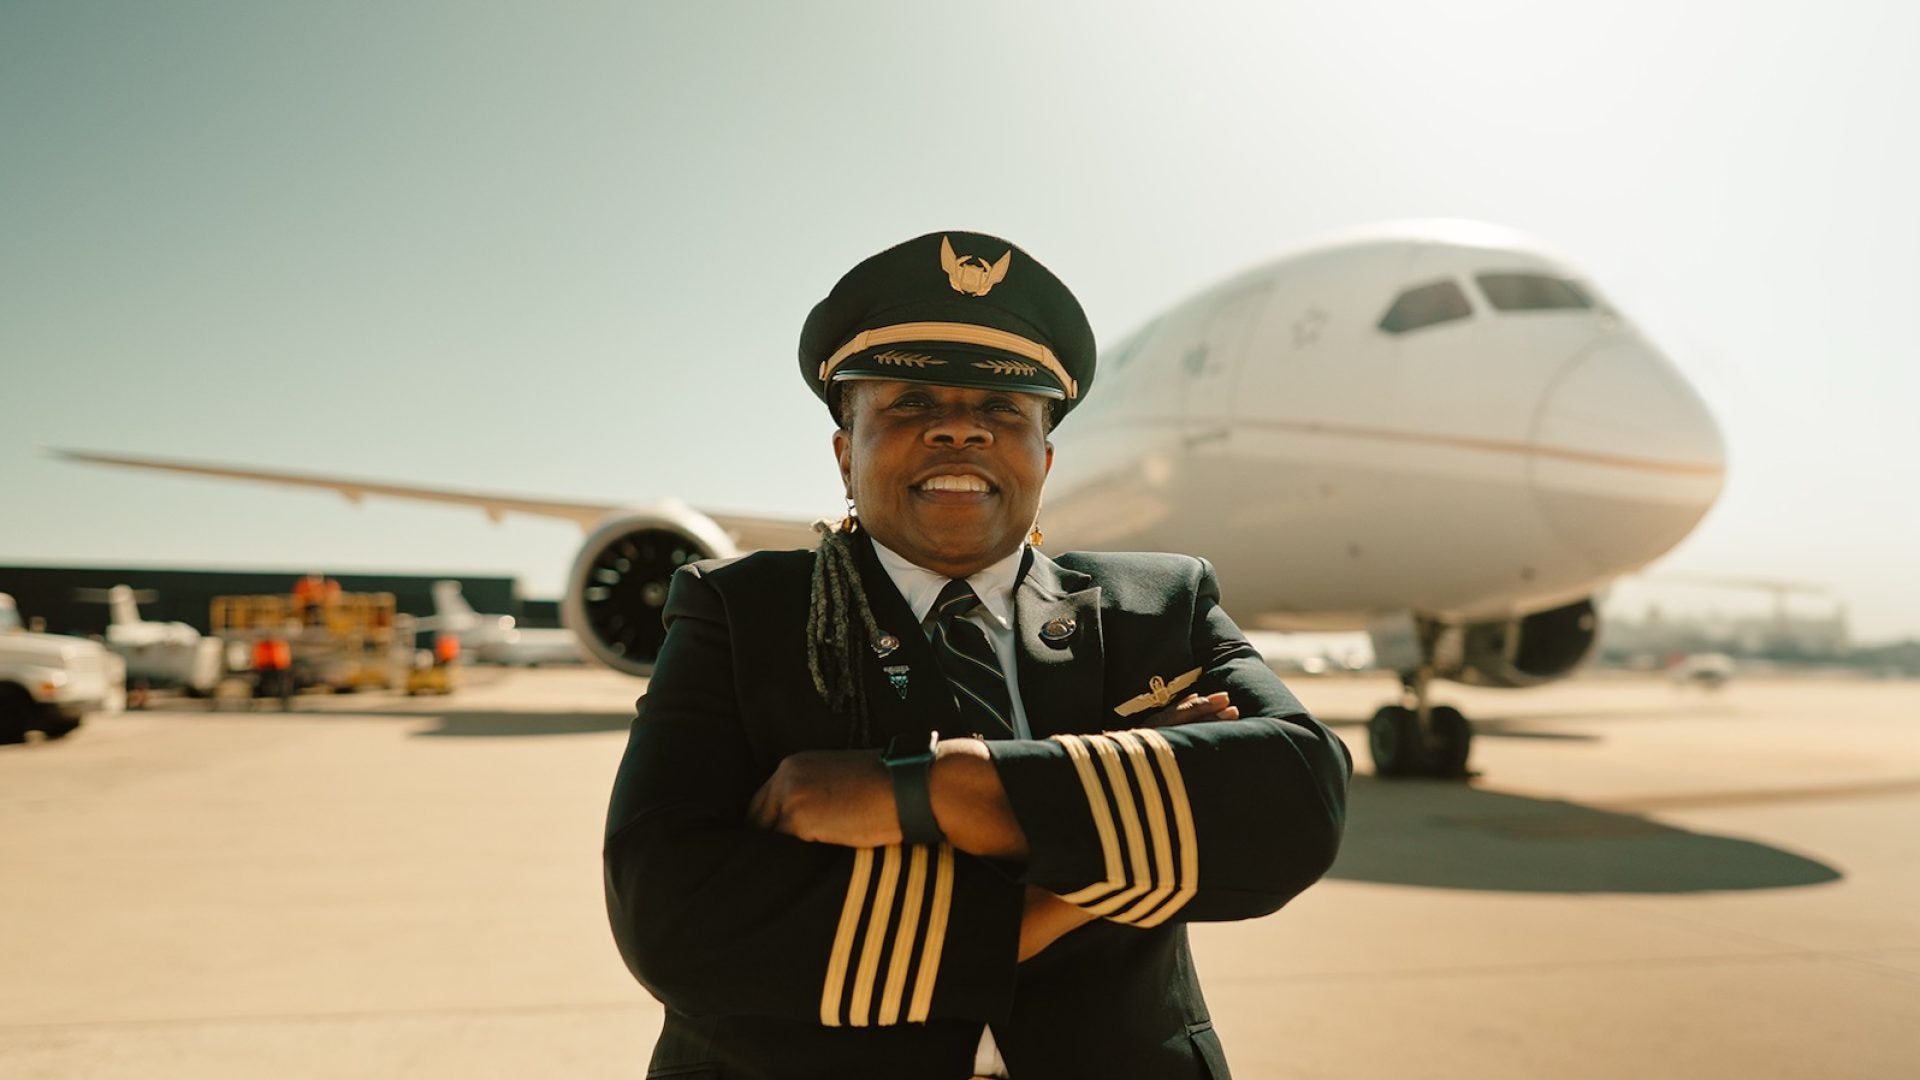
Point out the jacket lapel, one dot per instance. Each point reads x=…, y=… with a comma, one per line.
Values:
x=1057, y=621
x=927, y=704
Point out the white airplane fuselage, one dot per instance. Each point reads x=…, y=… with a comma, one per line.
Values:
x=1433, y=431
x=1482, y=466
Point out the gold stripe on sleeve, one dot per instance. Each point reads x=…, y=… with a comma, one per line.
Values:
x=1141, y=878
x=1183, y=824
x=935, y=940
x=859, y=1012
x=1102, y=822
x=902, y=954
x=843, y=938
x=1163, y=876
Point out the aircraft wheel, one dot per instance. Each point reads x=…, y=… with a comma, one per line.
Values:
x=1452, y=741
x=1395, y=739
x=18, y=714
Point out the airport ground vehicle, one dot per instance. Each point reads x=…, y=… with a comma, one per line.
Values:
x=435, y=670
x=349, y=642
x=48, y=682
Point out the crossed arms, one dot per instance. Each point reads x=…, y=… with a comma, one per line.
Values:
x=738, y=892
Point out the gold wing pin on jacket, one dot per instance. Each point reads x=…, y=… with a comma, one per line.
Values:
x=1160, y=693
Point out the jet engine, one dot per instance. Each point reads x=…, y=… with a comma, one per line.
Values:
x=1528, y=650
x=618, y=586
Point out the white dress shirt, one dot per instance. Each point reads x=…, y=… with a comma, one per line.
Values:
x=920, y=587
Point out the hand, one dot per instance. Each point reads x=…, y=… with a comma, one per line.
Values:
x=1046, y=919
x=840, y=797
x=1192, y=709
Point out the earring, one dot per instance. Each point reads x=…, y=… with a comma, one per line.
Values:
x=847, y=523
x=1036, y=537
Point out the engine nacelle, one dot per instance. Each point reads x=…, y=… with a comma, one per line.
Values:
x=1529, y=650
x=618, y=586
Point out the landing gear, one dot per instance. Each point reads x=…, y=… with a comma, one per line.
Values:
x=1416, y=739
x=1451, y=740
x=1395, y=739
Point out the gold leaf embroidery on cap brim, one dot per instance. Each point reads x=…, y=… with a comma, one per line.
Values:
x=1006, y=367
x=955, y=334
x=905, y=359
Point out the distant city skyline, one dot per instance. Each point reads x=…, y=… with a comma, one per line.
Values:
x=565, y=250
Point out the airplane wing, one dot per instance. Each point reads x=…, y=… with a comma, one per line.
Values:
x=748, y=531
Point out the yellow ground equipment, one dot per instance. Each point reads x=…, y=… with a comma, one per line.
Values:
x=350, y=642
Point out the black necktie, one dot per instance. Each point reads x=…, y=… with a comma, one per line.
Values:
x=966, y=658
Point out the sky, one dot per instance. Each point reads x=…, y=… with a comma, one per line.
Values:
x=565, y=249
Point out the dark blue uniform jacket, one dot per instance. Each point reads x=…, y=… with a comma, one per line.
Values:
x=781, y=958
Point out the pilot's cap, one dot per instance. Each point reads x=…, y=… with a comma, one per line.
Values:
x=954, y=308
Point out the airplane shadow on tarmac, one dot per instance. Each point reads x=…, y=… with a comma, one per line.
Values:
x=1433, y=833
x=468, y=725
x=1440, y=834
x=1449, y=835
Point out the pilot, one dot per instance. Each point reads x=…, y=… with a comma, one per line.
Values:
x=926, y=802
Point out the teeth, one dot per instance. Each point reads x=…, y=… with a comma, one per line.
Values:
x=953, y=483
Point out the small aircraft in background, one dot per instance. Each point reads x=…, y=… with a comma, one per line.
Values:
x=496, y=639
x=161, y=654
x=1708, y=670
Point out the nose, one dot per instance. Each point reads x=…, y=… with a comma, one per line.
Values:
x=958, y=426
x=1625, y=458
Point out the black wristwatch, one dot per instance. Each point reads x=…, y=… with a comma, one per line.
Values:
x=909, y=761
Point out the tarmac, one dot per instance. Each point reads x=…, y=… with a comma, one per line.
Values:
x=1642, y=880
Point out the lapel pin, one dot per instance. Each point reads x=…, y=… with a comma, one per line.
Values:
x=1160, y=693
x=1057, y=631
x=885, y=645
x=897, y=676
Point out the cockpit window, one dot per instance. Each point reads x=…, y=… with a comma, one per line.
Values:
x=1124, y=352
x=1426, y=305
x=1532, y=292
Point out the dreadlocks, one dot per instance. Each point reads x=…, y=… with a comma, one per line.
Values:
x=840, y=629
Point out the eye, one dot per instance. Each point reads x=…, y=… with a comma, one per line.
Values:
x=913, y=399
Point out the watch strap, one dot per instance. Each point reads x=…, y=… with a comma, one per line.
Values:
x=912, y=777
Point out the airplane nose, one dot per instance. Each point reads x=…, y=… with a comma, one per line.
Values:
x=1625, y=456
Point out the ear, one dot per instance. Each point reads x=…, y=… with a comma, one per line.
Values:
x=843, y=453
x=1049, y=469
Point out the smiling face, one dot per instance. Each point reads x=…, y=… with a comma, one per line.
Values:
x=947, y=476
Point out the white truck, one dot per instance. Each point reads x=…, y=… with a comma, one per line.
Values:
x=48, y=682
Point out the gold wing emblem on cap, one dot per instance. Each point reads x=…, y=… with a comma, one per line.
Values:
x=1160, y=693
x=971, y=274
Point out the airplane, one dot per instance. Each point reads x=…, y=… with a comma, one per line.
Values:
x=160, y=653
x=1708, y=670
x=494, y=639
x=1433, y=431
